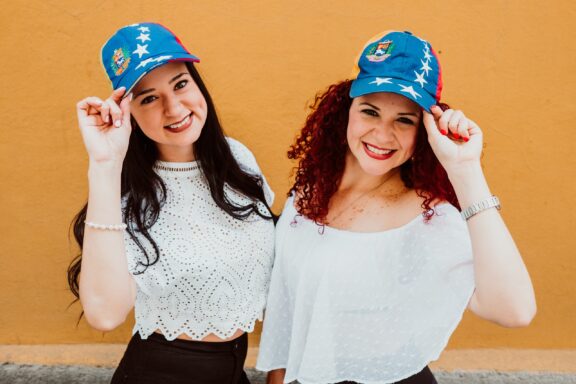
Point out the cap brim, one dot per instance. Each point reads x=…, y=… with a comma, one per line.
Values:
x=130, y=83
x=408, y=89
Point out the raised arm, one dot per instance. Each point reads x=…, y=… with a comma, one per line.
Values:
x=107, y=289
x=504, y=292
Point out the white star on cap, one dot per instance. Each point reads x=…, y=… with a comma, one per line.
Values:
x=141, y=50
x=144, y=29
x=425, y=66
x=381, y=80
x=144, y=63
x=420, y=79
x=409, y=90
x=427, y=55
x=143, y=37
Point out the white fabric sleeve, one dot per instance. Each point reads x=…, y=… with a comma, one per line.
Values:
x=274, y=348
x=248, y=162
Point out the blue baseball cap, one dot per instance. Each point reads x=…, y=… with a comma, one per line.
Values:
x=136, y=49
x=401, y=63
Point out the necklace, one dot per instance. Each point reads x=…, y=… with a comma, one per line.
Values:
x=360, y=197
x=176, y=169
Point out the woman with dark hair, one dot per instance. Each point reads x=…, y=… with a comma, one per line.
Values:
x=374, y=262
x=178, y=222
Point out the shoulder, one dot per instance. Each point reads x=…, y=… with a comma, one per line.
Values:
x=243, y=155
x=237, y=148
x=447, y=219
x=446, y=208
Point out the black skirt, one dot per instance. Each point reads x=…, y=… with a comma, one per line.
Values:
x=157, y=360
x=425, y=376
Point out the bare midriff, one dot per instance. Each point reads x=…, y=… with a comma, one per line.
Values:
x=211, y=338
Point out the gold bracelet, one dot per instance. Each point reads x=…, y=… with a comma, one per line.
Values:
x=106, y=227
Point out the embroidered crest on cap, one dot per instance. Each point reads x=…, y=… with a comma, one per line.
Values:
x=380, y=51
x=120, y=61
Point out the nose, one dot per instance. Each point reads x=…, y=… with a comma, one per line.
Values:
x=172, y=106
x=384, y=131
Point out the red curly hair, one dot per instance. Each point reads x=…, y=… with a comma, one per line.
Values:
x=321, y=149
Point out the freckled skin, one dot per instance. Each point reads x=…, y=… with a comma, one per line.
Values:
x=371, y=186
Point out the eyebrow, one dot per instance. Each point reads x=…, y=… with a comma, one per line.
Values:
x=370, y=105
x=152, y=89
x=401, y=113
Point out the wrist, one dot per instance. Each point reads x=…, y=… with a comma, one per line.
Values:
x=464, y=171
x=104, y=177
x=104, y=168
x=469, y=183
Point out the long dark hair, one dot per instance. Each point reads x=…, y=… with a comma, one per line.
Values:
x=145, y=191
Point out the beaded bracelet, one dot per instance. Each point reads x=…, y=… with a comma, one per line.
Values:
x=106, y=227
x=479, y=206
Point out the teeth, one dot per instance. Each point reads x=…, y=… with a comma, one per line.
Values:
x=378, y=151
x=180, y=124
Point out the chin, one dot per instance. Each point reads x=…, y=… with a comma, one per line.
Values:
x=191, y=136
x=374, y=169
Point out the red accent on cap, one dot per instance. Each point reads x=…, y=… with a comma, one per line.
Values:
x=440, y=84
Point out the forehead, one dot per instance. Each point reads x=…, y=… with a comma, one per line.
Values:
x=389, y=100
x=161, y=75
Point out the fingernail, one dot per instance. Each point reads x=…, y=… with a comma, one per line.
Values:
x=466, y=139
x=130, y=96
x=106, y=118
x=118, y=123
x=456, y=136
x=443, y=132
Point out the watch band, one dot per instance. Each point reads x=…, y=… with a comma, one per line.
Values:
x=482, y=205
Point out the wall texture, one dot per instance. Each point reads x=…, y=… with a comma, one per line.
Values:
x=508, y=64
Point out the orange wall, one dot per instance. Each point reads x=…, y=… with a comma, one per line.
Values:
x=509, y=64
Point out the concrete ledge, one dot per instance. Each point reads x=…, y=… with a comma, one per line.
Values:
x=500, y=360
x=66, y=374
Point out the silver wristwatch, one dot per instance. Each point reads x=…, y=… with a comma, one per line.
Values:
x=491, y=202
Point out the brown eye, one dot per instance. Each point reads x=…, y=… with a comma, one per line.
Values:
x=147, y=100
x=370, y=112
x=405, y=120
x=181, y=84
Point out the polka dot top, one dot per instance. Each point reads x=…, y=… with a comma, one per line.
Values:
x=366, y=307
x=213, y=272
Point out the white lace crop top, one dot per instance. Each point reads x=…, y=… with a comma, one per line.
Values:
x=213, y=272
x=366, y=307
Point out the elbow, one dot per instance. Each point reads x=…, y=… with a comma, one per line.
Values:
x=519, y=318
x=103, y=317
x=102, y=313
x=103, y=323
x=509, y=315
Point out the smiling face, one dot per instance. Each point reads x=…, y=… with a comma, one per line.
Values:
x=170, y=109
x=381, y=132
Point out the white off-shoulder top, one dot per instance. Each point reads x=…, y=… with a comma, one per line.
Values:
x=213, y=272
x=367, y=307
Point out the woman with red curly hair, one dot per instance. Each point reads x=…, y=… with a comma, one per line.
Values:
x=375, y=263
